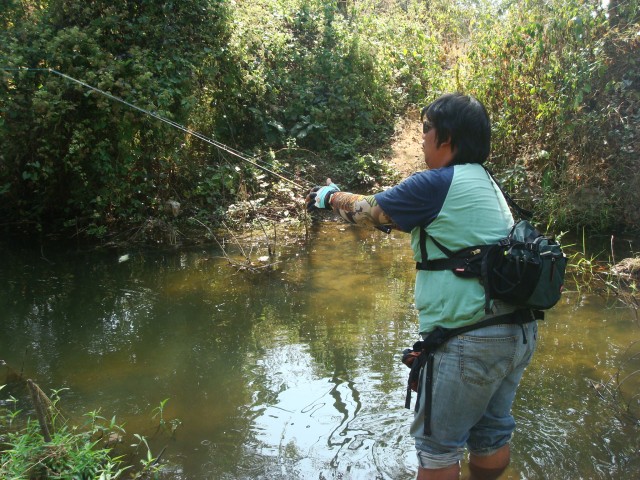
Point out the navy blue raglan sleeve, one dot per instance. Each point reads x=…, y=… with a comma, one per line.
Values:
x=417, y=200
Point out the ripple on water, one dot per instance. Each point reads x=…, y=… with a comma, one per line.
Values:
x=328, y=428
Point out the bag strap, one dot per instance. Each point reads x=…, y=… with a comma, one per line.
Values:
x=423, y=250
x=522, y=213
x=442, y=264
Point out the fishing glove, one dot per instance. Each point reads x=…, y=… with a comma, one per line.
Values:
x=318, y=198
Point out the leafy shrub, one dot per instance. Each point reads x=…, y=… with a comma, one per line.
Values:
x=544, y=70
x=67, y=455
x=76, y=156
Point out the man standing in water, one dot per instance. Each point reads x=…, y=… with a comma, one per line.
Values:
x=475, y=375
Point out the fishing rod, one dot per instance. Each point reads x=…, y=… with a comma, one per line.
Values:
x=180, y=127
x=155, y=115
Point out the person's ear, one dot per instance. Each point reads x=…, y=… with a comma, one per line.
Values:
x=446, y=143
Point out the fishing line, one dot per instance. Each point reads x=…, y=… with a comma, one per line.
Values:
x=184, y=129
x=155, y=115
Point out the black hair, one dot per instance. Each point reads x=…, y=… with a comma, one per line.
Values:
x=464, y=121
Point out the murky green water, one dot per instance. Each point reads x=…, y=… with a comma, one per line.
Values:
x=293, y=373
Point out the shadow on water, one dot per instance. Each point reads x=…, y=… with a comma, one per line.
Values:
x=293, y=373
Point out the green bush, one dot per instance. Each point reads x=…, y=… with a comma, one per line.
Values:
x=76, y=156
x=313, y=76
x=65, y=451
x=545, y=71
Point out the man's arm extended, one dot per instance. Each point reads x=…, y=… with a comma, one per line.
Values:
x=359, y=209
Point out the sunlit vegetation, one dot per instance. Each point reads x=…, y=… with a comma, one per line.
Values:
x=305, y=88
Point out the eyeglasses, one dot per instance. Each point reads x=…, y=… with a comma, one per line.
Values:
x=426, y=124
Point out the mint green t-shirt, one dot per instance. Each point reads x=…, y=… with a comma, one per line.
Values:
x=460, y=206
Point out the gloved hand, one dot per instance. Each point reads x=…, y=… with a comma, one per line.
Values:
x=318, y=197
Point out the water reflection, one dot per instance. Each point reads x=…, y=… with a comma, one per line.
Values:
x=293, y=373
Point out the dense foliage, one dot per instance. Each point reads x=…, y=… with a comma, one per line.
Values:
x=562, y=110
x=305, y=87
x=76, y=157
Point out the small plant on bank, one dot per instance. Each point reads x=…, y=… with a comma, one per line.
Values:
x=70, y=454
x=68, y=451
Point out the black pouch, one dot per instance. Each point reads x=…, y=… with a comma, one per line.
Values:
x=417, y=357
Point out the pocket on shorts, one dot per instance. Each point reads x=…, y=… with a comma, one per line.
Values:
x=484, y=360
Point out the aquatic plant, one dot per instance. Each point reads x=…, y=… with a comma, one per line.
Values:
x=61, y=450
x=159, y=411
x=149, y=463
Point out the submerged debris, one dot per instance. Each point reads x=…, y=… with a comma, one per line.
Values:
x=629, y=268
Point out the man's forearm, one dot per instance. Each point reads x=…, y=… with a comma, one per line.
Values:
x=359, y=209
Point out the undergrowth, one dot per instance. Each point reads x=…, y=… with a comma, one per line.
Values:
x=51, y=447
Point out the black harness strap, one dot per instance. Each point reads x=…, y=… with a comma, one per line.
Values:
x=460, y=262
x=522, y=212
x=429, y=393
x=423, y=250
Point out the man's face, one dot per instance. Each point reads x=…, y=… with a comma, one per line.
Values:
x=435, y=156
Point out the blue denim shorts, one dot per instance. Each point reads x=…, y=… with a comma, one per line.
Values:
x=475, y=377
